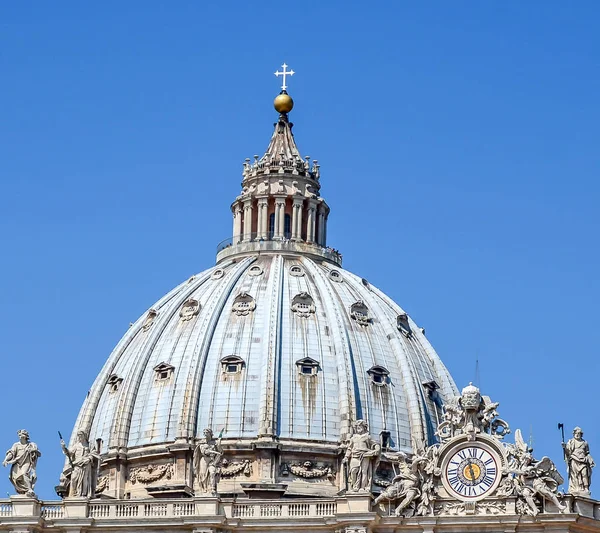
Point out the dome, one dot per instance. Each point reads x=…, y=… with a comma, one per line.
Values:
x=276, y=348
x=270, y=345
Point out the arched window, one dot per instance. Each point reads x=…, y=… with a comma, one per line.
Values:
x=271, y=225
x=287, y=227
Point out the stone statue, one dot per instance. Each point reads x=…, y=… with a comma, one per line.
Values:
x=361, y=453
x=22, y=457
x=405, y=486
x=579, y=463
x=208, y=456
x=81, y=461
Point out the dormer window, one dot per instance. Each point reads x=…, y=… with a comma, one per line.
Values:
x=360, y=312
x=307, y=366
x=163, y=372
x=403, y=325
x=114, y=382
x=232, y=364
x=379, y=375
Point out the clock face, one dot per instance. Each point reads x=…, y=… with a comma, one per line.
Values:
x=472, y=472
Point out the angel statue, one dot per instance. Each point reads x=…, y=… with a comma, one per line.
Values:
x=533, y=478
x=406, y=482
x=208, y=456
x=413, y=484
x=22, y=458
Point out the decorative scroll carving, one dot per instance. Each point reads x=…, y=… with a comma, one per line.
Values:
x=360, y=312
x=470, y=508
x=149, y=320
x=303, y=305
x=150, y=473
x=470, y=414
x=189, y=309
x=243, y=304
x=233, y=469
x=309, y=470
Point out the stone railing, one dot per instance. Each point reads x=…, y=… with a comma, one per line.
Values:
x=237, y=512
x=228, y=248
x=280, y=509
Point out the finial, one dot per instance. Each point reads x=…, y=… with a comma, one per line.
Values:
x=284, y=74
x=283, y=101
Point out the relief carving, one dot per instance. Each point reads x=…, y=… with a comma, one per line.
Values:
x=230, y=469
x=189, y=309
x=150, y=473
x=309, y=470
x=303, y=305
x=243, y=304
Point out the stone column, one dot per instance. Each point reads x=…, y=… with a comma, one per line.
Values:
x=247, y=220
x=237, y=223
x=321, y=235
x=279, y=217
x=297, y=219
x=311, y=221
x=263, y=222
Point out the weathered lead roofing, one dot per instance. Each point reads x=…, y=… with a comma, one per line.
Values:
x=169, y=377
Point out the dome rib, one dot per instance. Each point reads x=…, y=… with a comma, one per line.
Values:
x=189, y=420
x=138, y=369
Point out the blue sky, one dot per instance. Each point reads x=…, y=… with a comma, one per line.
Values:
x=458, y=144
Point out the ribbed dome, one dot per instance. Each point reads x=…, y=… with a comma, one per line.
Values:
x=268, y=345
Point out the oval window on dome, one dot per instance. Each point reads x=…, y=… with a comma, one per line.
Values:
x=149, y=320
x=189, y=309
x=335, y=275
x=217, y=274
x=379, y=375
x=114, y=382
x=255, y=270
x=296, y=270
x=303, y=305
x=243, y=304
x=360, y=313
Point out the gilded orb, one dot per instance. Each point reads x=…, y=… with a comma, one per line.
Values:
x=283, y=103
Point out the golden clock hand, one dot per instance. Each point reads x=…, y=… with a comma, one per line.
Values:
x=471, y=470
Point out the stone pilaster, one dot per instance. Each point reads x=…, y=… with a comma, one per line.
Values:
x=263, y=220
x=237, y=223
x=279, y=217
x=247, y=220
x=311, y=220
